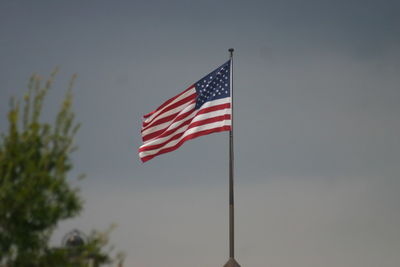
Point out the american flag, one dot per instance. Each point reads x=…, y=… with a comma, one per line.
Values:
x=203, y=108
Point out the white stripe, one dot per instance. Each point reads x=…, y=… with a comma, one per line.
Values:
x=165, y=124
x=206, y=105
x=170, y=112
x=188, y=93
x=212, y=114
x=216, y=102
x=156, y=141
x=188, y=132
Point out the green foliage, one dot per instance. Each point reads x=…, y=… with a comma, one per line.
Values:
x=89, y=254
x=34, y=192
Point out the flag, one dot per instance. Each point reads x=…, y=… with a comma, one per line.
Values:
x=201, y=109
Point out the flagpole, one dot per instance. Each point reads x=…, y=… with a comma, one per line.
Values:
x=231, y=262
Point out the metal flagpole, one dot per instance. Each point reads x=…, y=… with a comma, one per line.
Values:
x=231, y=262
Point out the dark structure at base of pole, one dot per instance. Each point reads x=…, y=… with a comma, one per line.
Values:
x=231, y=262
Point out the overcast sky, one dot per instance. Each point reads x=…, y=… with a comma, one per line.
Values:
x=317, y=126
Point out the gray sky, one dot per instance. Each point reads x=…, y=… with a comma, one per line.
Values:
x=316, y=114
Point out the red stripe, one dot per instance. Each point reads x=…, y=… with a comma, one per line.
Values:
x=210, y=120
x=170, y=117
x=201, y=111
x=194, y=124
x=172, y=106
x=162, y=133
x=214, y=108
x=152, y=147
x=192, y=136
x=167, y=102
x=183, y=101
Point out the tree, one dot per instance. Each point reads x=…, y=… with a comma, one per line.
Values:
x=35, y=195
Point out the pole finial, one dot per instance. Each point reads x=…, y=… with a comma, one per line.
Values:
x=231, y=51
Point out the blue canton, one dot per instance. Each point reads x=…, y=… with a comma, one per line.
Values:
x=214, y=86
